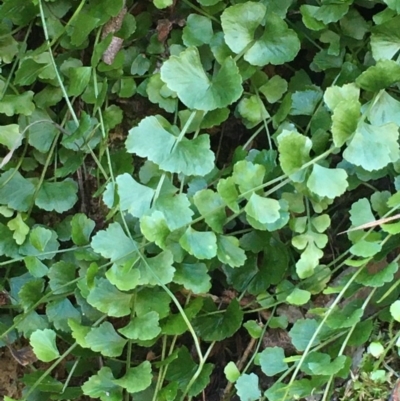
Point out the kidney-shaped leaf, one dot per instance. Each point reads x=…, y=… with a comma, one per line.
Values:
x=184, y=74
x=152, y=139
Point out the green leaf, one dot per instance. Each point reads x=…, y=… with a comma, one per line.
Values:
x=107, y=299
x=331, y=12
x=380, y=76
x=145, y=327
x=379, y=278
x=42, y=243
x=19, y=227
x=231, y=371
x=11, y=105
x=79, y=80
x=113, y=244
x=157, y=270
x=105, y=339
x=264, y=210
x=175, y=324
x=155, y=228
x=298, y=297
x=294, y=150
x=157, y=92
x=272, y=361
x=321, y=364
x=302, y=332
x=247, y=176
x=385, y=39
x=361, y=213
x=326, y=182
x=58, y=313
x=193, y=276
x=58, y=196
x=81, y=229
x=61, y=274
x=30, y=293
x=345, y=120
x=218, y=326
x=185, y=75
x=348, y=316
x=274, y=89
x=308, y=16
x=229, y=193
x=182, y=370
x=202, y=245
x=197, y=31
x=373, y=147
x=79, y=332
x=15, y=191
x=136, y=379
x=395, y=310
x=44, y=345
x=190, y=157
x=229, y=252
x=253, y=328
x=247, y=387
x=385, y=110
x=277, y=44
x=133, y=197
x=365, y=249
x=176, y=210
x=252, y=110
x=305, y=102
x=35, y=266
x=212, y=207
x=10, y=136
x=152, y=299
x=160, y=4
x=312, y=243
x=124, y=276
x=101, y=385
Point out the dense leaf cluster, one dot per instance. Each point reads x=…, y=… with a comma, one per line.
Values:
x=176, y=173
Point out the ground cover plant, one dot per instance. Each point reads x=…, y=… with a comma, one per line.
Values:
x=199, y=199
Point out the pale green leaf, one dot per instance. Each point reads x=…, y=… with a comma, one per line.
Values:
x=19, y=227
x=231, y=371
x=114, y=244
x=202, y=245
x=184, y=74
x=190, y=157
x=44, y=345
x=107, y=299
x=133, y=197
x=326, y=182
x=373, y=147
x=380, y=76
x=298, y=297
x=294, y=150
x=395, y=310
x=264, y=210
x=229, y=251
x=105, y=339
x=211, y=205
x=385, y=39
x=247, y=176
x=247, y=387
x=272, y=361
x=101, y=385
